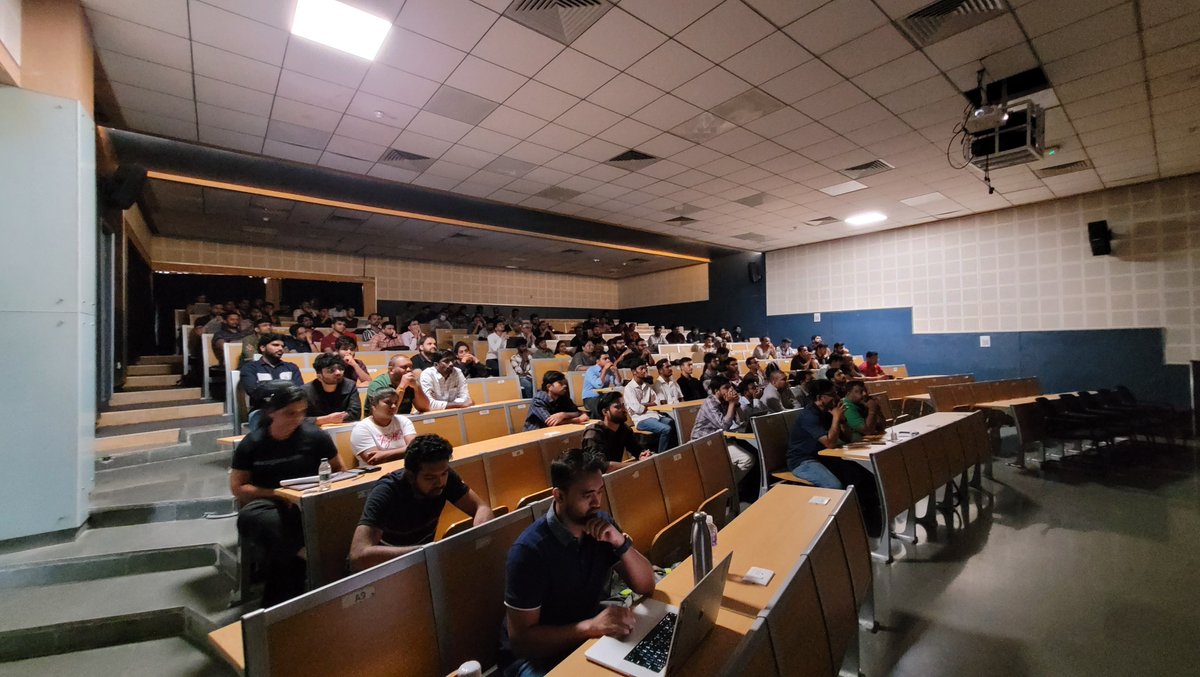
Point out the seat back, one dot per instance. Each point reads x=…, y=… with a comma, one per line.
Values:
x=795, y=621
x=517, y=412
x=485, y=423
x=506, y=355
x=501, y=390
x=892, y=478
x=835, y=590
x=916, y=463
x=679, y=478
x=771, y=432
x=575, y=385
x=448, y=424
x=636, y=501
x=515, y=473
x=553, y=447
x=472, y=473
x=712, y=458
x=466, y=577
x=341, y=440
x=685, y=419
x=475, y=390
x=849, y=521
x=754, y=654
x=541, y=366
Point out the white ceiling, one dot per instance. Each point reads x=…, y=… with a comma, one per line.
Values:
x=849, y=88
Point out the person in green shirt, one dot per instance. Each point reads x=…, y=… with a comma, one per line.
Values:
x=401, y=376
x=862, y=412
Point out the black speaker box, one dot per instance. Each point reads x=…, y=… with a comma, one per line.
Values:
x=124, y=186
x=755, y=271
x=1100, y=237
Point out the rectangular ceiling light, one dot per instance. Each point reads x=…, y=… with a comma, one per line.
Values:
x=843, y=188
x=340, y=26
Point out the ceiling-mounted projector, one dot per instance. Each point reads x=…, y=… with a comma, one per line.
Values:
x=987, y=116
x=1018, y=140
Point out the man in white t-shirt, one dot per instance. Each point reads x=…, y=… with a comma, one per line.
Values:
x=383, y=435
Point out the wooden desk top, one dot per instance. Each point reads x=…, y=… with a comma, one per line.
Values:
x=1014, y=402
x=739, y=436
x=919, y=396
x=460, y=452
x=228, y=642
x=754, y=539
x=668, y=408
x=916, y=425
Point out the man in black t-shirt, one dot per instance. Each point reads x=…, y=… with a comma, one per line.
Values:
x=332, y=398
x=401, y=513
x=285, y=447
x=612, y=437
x=690, y=387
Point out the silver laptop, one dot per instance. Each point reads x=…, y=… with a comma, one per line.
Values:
x=665, y=636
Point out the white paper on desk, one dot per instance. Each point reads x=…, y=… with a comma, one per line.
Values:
x=306, y=482
x=819, y=500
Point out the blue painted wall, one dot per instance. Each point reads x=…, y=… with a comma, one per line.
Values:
x=1063, y=360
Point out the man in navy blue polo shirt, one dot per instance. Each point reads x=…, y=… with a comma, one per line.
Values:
x=270, y=368
x=558, y=572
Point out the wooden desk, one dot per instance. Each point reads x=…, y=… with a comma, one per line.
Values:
x=460, y=452
x=228, y=642
x=1023, y=411
x=754, y=538
x=668, y=408
x=739, y=436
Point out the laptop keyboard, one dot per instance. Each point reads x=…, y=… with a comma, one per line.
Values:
x=651, y=652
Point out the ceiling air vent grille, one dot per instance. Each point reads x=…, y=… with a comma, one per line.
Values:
x=823, y=221
x=561, y=20
x=402, y=159
x=571, y=251
x=867, y=169
x=751, y=237
x=1066, y=168
x=944, y=18
x=463, y=236
x=756, y=200
x=680, y=220
x=558, y=193
x=632, y=160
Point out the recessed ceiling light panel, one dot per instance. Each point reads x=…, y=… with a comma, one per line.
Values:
x=866, y=218
x=340, y=26
x=843, y=188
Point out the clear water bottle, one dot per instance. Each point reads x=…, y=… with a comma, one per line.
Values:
x=702, y=541
x=323, y=475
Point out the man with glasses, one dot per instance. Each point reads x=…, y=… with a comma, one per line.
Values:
x=332, y=398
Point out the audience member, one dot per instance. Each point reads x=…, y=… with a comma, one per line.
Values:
x=467, y=363
x=374, y=326
x=257, y=375
x=562, y=349
x=324, y=318
x=690, y=387
x=786, y=351
x=728, y=367
x=540, y=350
x=284, y=447
x=445, y=385
x=521, y=366
x=304, y=309
x=497, y=341
x=861, y=412
x=619, y=351
x=750, y=392
x=552, y=405
x=640, y=395
x=818, y=427
x=601, y=375
x=230, y=330
x=250, y=341
x=314, y=335
x=298, y=340
x=870, y=369
x=804, y=360
x=559, y=571
x=611, y=436
x=677, y=336
x=668, y=391
x=656, y=339
x=356, y=369
x=584, y=357
x=332, y=398
x=386, y=339
x=337, y=331
x=402, y=511
x=765, y=350
x=525, y=331
x=753, y=368
x=839, y=380
x=814, y=342
x=821, y=353
x=721, y=413
x=801, y=390
x=210, y=321
x=383, y=435
x=427, y=353
x=442, y=321
x=351, y=317
x=695, y=335
x=412, y=338
x=403, y=379
x=776, y=393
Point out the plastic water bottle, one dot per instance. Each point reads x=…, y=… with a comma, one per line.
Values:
x=323, y=475
x=470, y=669
x=702, y=541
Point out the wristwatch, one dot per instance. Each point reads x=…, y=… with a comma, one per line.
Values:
x=620, y=552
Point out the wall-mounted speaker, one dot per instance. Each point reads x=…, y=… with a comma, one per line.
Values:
x=122, y=189
x=1100, y=237
x=755, y=270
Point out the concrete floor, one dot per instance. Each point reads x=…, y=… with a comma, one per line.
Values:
x=172, y=657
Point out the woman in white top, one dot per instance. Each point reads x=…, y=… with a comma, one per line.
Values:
x=497, y=340
x=384, y=435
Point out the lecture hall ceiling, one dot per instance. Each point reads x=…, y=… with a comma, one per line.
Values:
x=753, y=107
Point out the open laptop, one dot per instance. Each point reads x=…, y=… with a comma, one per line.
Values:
x=665, y=635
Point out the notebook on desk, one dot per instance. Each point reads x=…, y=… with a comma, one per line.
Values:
x=665, y=636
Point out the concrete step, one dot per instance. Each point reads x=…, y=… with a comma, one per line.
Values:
x=152, y=369
x=147, y=382
x=158, y=487
x=159, y=359
x=182, y=423
x=136, y=441
x=148, y=396
x=153, y=414
x=167, y=657
x=95, y=543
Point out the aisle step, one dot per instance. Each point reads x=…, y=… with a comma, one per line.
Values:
x=152, y=369
x=158, y=381
x=154, y=414
x=148, y=396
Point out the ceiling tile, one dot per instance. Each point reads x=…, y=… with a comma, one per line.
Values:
x=665, y=145
x=667, y=112
x=458, y=23
x=588, y=118
x=629, y=133
x=512, y=122
x=121, y=68
x=914, y=96
x=1172, y=33
x=906, y=70
x=857, y=117
x=449, y=170
x=485, y=79
x=310, y=90
x=234, y=68
x=304, y=114
x=421, y=144
x=468, y=157
x=802, y=81
x=487, y=140
x=625, y=94
x=354, y=148
x=1115, y=53
x=835, y=23
x=288, y=151
x=365, y=130
x=332, y=65
x=541, y=100
x=1042, y=17
x=725, y=31
x=140, y=41
x=711, y=88
x=438, y=127
x=805, y=136
x=598, y=150
x=733, y=141
x=783, y=12
x=392, y=173
x=168, y=15
x=532, y=153
x=880, y=46
x=516, y=47
x=669, y=66
x=147, y=101
x=576, y=73
x=669, y=16
x=224, y=118
x=976, y=43
x=459, y=105
x=236, y=33
x=829, y=101
x=235, y=97
x=158, y=124
x=419, y=55
x=618, y=39
x=398, y=86
x=781, y=121
x=557, y=137
x=381, y=110
x=767, y=58
x=277, y=13
x=230, y=139
x=343, y=163
x=297, y=135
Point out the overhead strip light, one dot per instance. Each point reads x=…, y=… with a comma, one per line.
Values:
x=865, y=218
x=340, y=26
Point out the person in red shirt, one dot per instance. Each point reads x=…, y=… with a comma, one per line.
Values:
x=329, y=341
x=870, y=369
